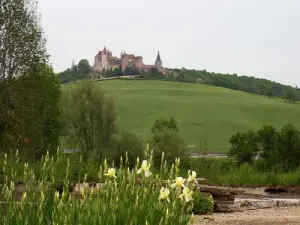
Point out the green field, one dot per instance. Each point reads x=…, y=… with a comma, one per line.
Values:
x=201, y=111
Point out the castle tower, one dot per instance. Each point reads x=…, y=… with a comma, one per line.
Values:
x=158, y=62
x=73, y=64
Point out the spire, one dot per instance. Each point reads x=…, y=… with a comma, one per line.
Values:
x=158, y=57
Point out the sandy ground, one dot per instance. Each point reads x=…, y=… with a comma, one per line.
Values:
x=272, y=216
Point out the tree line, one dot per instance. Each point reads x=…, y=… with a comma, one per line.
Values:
x=277, y=150
x=241, y=83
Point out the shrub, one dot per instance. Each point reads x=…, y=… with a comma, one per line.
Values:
x=202, y=203
x=170, y=143
x=130, y=143
x=161, y=125
x=289, y=146
x=268, y=141
x=90, y=116
x=244, y=147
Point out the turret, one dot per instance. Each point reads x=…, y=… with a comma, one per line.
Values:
x=158, y=62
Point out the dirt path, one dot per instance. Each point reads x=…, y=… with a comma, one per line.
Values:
x=273, y=216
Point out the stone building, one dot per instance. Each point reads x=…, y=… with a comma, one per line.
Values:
x=105, y=60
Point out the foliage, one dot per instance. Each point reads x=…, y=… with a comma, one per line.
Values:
x=280, y=150
x=22, y=44
x=289, y=146
x=113, y=72
x=291, y=96
x=129, y=143
x=131, y=70
x=90, y=116
x=23, y=79
x=119, y=200
x=226, y=172
x=170, y=143
x=161, y=125
x=242, y=83
x=268, y=140
x=80, y=71
x=244, y=147
x=33, y=125
x=203, y=204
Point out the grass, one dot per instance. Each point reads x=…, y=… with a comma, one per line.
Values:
x=226, y=173
x=121, y=199
x=202, y=112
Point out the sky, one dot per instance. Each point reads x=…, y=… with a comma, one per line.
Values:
x=258, y=38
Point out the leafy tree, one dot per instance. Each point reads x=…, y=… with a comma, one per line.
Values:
x=83, y=68
x=244, y=147
x=39, y=91
x=130, y=143
x=90, y=116
x=163, y=124
x=268, y=139
x=290, y=96
x=29, y=89
x=22, y=44
x=169, y=142
x=289, y=146
x=77, y=72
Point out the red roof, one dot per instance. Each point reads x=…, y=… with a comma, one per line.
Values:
x=148, y=66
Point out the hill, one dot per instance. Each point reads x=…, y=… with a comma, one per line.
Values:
x=200, y=110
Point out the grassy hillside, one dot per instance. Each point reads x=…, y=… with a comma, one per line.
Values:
x=200, y=110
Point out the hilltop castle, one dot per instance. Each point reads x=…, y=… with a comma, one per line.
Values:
x=105, y=60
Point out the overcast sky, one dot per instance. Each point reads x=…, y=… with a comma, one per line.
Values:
x=258, y=38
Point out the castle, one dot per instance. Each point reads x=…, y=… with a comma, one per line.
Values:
x=105, y=60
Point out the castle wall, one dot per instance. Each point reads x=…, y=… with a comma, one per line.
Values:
x=124, y=61
x=139, y=62
x=104, y=62
x=97, y=63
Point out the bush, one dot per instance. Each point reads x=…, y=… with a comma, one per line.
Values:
x=202, y=203
x=170, y=143
x=130, y=143
x=244, y=147
x=90, y=116
x=161, y=125
x=279, y=151
x=33, y=125
x=268, y=139
x=289, y=146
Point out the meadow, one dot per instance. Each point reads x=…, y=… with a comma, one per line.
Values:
x=203, y=112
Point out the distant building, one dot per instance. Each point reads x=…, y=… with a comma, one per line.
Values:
x=105, y=60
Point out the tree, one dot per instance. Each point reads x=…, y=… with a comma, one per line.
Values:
x=244, y=147
x=169, y=142
x=25, y=79
x=39, y=91
x=22, y=45
x=83, y=69
x=290, y=96
x=268, y=139
x=163, y=124
x=289, y=146
x=90, y=116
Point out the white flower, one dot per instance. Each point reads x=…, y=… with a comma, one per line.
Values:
x=186, y=195
x=164, y=194
x=192, y=177
x=179, y=182
x=111, y=173
x=144, y=169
